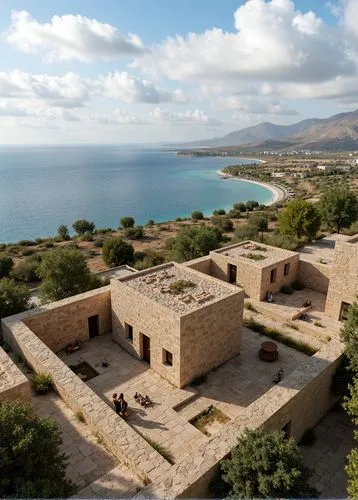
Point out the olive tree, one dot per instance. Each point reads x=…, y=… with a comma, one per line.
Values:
x=299, y=218
x=117, y=252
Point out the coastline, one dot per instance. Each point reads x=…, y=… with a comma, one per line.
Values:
x=278, y=192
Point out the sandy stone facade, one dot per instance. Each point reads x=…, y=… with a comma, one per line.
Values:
x=199, y=330
x=13, y=384
x=256, y=267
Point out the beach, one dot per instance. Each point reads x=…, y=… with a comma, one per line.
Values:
x=278, y=192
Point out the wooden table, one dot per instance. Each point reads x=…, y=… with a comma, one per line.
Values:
x=268, y=351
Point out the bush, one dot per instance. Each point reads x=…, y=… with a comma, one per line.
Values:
x=26, y=271
x=42, y=383
x=32, y=463
x=283, y=241
x=234, y=214
x=241, y=207
x=62, y=232
x=127, y=222
x=197, y=215
x=246, y=232
x=251, y=205
x=49, y=244
x=248, y=305
x=297, y=285
x=148, y=258
x=104, y=230
x=287, y=289
x=117, y=252
x=134, y=233
x=27, y=243
x=194, y=242
x=99, y=243
x=14, y=298
x=224, y=223
x=220, y=211
x=6, y=264
x=27, y=251
x=150, y=223
x=87, y=237
x=83, y=226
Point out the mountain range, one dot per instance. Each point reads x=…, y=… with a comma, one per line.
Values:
x=337, y=133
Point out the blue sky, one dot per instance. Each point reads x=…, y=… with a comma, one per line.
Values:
x=155, y=70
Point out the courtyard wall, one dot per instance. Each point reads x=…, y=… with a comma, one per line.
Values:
x=13, y=383
x=61, y=323
x=314, y=275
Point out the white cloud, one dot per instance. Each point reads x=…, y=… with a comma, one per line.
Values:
x=273, y=42
x=20, y=108
x=70, y=37
x=129, y=89
x=349, y=15
x=116, y=117
x=195, y=117
x=245, y=104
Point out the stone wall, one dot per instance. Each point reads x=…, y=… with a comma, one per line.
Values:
x=13, y=383
x=202, y=264
x=150, y=318
x=281, y=279
x=314, y=275
x=120, y=438
x=343, y=285
x=60, y=323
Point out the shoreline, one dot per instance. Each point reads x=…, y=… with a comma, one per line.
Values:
x=278, y=192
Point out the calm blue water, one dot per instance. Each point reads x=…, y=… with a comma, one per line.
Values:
x=43, y=187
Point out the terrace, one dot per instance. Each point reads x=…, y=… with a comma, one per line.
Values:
x=231, y=389
x=322, y=251
x=265, y=255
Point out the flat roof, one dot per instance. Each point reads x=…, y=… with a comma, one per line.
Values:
x=246, y=251
x=180, y=288
x=322, y=251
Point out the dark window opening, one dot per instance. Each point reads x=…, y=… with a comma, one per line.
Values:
x=286, y=270
x=232, y=271
x=167, y=357
x=129, y=331
x=273, y=275
x=93, y=326
x=343, y=316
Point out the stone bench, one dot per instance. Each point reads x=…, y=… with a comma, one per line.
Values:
x=298, y=312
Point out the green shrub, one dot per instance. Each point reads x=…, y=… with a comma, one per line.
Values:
x=27, y=243
x=220, y=211
x=127, y=222
x=297, y=285
x=197, y=215
x=99, y=243
x=63, y=233
x=287, y=289
x=318, y=323
x=80, y=417
x=83, y=226
x=246, y=232
x=248, y=305
x=42, y=383
x=224, y=223
x=134, y=233
x=27, y=251
x=117, y=252
x=26, y=271
x=150, y=223
x=49, y=244
x=180, y=286
x=253, y=256
x=104, y=230
x=6, y=264
x=87, y=237
x=241, y=207
x=234, y=214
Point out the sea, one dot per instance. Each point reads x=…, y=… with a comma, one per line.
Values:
x=43, y=187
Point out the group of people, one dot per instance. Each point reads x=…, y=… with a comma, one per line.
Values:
x=120, y=404
x=142, y=400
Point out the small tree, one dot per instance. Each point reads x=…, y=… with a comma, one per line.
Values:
x=299, y=218
x=219, y=211
x=223, y=222
x=265, y=464
x=241, y=207
x=31, y=464
x=339, y=208
x=6, y=264
x=261, y=222
x=117, y=252
x=194, y=242
x=197, y=215
x=134, y=233
x=64, y=273
x=127, y=222
x=13, y=300
x=349, y=335
x=83, y=226
x=251, y=205
x=63, y=233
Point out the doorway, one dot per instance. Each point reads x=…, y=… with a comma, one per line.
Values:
x=146, y=349
x=93, y=326
x=343, y=315
x=232, y=271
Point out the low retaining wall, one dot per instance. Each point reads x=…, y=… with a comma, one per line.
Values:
x=120, y=438
x=13, y=383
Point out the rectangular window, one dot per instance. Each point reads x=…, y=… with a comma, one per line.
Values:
x=167, y=358
x=344, y=311
x=129, y=331
x=286, y=270
x=273, y=275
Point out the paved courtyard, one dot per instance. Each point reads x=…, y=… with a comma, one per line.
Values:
x=230, y=388
x=94, y=471
x=327, y=456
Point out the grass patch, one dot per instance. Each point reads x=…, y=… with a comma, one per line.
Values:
x=80, y=417
x=253, y=256
x=42, y=383
x=290, y=324
x=162, y=450
x=279, y=336
x=209, y=416
x=180, y=286
x=248, y=305
x=318, y=323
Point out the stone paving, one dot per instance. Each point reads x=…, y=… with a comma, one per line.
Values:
x=94, y=471
x=231, y=388
x=327, y=456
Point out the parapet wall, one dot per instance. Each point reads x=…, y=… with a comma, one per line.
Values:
x=202, y=264
x=120, y=438
x=314, y=275
x=61, y=323
x=13, y=383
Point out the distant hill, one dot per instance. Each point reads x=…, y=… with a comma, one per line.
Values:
x=339, y=132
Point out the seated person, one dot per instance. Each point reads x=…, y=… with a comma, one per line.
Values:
x=269, y=297
x=117, y=403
